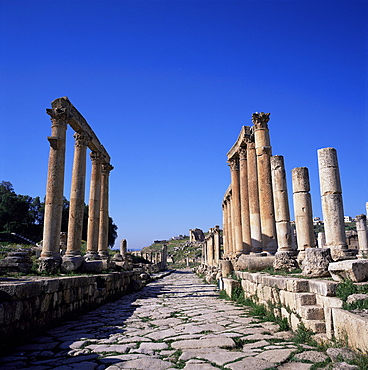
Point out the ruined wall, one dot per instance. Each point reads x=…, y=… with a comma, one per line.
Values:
x=31, y=305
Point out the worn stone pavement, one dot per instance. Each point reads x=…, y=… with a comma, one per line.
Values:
x=175, y=322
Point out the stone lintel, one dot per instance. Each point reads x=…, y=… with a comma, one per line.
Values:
x=240, y=142
x=79, y=124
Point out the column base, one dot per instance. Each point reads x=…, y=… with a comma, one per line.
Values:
x=341, y=253
x=91, y=256
x=285, y=261
x=71, y=263
x=104, y=255
x=50, y=265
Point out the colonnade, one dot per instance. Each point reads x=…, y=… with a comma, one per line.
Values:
x=155, y=257
x=256, y=217
x=62, y=114
x=211, y=252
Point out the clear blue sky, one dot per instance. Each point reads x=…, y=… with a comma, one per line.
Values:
x=167, y=85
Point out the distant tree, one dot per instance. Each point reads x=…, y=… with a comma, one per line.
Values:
x=113, y=232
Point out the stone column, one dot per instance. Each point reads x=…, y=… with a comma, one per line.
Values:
x=263, y=152
x=164, y=257
x=332, y=206
x=235, y=207
x=123, y=247
x=209, y=246
x=281, y=204
x=224, y=225
x=254, y=215
x=217, y=243
x=104, y=212
x=230, y=225
x=94, y=208
x=50, y=256
x=361, y=226
x=321, y=240
x=244, y=200
x=73, y=257
x=302, y=210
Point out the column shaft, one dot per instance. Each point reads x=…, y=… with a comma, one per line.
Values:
x=281, y=204
x=76, y=206
x=361, y=226
x=55, y=184
x=244, y=201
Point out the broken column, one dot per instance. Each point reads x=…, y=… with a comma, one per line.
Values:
x=263, y=152
x=284, y=258
x=332, y=205
x=254, y=213
x=244, y=200
x=303, y=211
x=123, y=247
x=73, y=258
x=235, y=206
x=361, y=226
x=50, y=257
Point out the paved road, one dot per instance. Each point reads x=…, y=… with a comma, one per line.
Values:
x=175, y=322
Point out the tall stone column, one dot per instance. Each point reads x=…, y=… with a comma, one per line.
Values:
x=104, y=212
x=216, y=245
x=164, y=257
x=224, y=225
x=254, y=214
x=73, y=259
x=281, y=204
x=263, y=152
x=361, y=226
x=303, y=210
x=209, y=246
x=94, y=207
x=235, y=207
x=50, y=256
x=244, y=200
x=332, y=206
x=123, y=248
x=230, y=225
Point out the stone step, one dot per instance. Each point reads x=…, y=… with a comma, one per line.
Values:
x=312, y=312
x=317, y=326
x=306, y=299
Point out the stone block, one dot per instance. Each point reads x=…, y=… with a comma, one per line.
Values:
x=316, y=262
x=287, y=299
x=294, y=321
x=317, y=326
x=351, y=327
x=356, y=270
x=297, y=285
x=305, y=299
x=312, y=312
x=323, y=287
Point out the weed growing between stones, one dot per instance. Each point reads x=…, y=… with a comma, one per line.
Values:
x=346, y=288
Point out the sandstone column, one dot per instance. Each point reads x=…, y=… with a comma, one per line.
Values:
x=224, y=225
x=361, y=226
x=282, y=213
x=209, y=246
x=217, y=243
x=244, y=200
x=263, y=151
x=321, y=240
x=94, y=208
x=54, y=190
x=332, y=206
x=303, y=210
x=73, y=256
x=164, y=257
x=236, y=212
x=104, y=212
x=254, y=215
x=123, y=247
x=230, y=225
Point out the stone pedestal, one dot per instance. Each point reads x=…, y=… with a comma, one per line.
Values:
x=316, y=261
x=302, y=211
x=361, y=226
x=285, y=261
x=226, y=268
x=281, y=204
x=263, y=152
x=332, y=205
x=71, y=263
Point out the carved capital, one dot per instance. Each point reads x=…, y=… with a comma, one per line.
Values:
x=95, y=156
x=59, y=115
x=242, y=154
x=260, y=120
x=233, y=164
x=106, y=168
x=81, y=139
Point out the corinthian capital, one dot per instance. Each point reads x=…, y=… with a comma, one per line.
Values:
x=106, y=168
x=95, y=156
x=81, y=139
x=260, y=120
x=242, y=154
x=59, y=115
x=233, y=164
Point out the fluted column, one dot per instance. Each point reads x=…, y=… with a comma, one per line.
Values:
x=263, y=152
x=361, y=226
x=332, y=205
x=76, y=206
x=303, y=211
x=254, y=214
x=236, y=211
x=94, y=207
x=244, y=200
x=104, y=212
x=55, y=184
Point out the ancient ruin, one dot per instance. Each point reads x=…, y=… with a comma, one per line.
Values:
x=62, y=114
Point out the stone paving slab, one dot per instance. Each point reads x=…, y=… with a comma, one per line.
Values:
x=175, y=322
